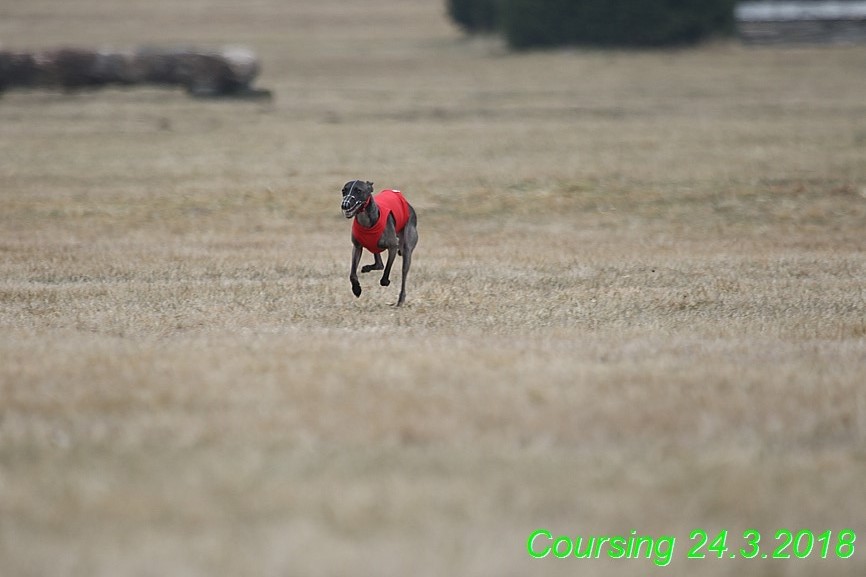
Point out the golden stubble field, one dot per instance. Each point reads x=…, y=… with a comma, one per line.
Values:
x=638, y=302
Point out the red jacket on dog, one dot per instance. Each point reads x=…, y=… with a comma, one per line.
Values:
x=389, y=202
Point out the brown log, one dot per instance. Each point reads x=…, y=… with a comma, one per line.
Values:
x=228, y=72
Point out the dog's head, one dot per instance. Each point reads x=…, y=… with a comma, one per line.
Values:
x=356, y=195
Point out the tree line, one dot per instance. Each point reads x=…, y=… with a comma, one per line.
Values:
x=615, y=23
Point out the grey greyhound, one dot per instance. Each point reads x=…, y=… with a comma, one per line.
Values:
x=382, y=221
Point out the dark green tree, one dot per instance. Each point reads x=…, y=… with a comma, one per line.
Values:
x=475, y=15
x=629, y=23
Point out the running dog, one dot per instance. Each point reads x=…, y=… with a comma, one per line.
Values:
x=382, y=221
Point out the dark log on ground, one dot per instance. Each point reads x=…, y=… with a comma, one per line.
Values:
x=228, y=72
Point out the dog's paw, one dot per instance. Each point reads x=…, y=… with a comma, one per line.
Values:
x=385, y=282
x=356, y=289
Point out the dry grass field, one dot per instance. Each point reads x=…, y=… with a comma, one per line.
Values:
x=638, y=302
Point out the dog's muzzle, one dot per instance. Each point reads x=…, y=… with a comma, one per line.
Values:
x=351, y=204
x=350, y=210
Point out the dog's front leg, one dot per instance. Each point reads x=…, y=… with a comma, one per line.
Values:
x=386, y=276
x=353, y=273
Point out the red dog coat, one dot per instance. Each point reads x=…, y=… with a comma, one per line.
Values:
x=389, y=202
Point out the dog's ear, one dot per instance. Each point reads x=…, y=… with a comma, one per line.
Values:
x=370, y=184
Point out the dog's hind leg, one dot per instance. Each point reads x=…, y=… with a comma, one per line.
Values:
x=407, y=245
x=377, y=264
